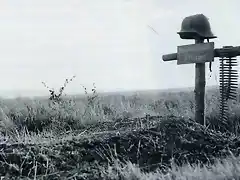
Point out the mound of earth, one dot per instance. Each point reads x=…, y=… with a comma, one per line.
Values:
x=150, y=147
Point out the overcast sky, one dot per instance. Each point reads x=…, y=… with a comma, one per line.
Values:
x=106, y=42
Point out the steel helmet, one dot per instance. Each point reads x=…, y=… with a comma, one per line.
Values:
x=196, y=26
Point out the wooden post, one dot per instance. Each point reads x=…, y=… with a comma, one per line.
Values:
x=199, y=92
x=199, y=53
x=200, y=80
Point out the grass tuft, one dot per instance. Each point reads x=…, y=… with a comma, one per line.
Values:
x=138, y=136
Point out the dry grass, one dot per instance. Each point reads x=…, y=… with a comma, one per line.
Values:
x=228, y=168
x=27, y=121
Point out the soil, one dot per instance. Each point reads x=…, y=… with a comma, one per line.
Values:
x=150, y=142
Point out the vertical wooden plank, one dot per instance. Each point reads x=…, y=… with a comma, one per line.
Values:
x=200, y=83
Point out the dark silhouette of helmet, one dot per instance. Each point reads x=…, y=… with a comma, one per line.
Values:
x=195, y=27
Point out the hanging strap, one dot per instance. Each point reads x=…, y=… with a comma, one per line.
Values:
x=210, y=63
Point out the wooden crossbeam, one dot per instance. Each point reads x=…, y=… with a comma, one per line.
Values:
x=227, y=51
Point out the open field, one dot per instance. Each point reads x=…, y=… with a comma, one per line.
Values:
x=143, y=135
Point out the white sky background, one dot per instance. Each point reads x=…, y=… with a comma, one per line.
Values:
x=106, y=42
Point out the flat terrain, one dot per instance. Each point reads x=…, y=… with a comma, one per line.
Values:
x=139, y=135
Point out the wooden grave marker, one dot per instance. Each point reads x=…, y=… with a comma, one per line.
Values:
x=198, y=54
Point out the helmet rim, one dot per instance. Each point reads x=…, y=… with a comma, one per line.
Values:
x=196, y=26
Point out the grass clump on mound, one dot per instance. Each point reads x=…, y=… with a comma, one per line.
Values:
x=136, y=136
x=182, y=141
